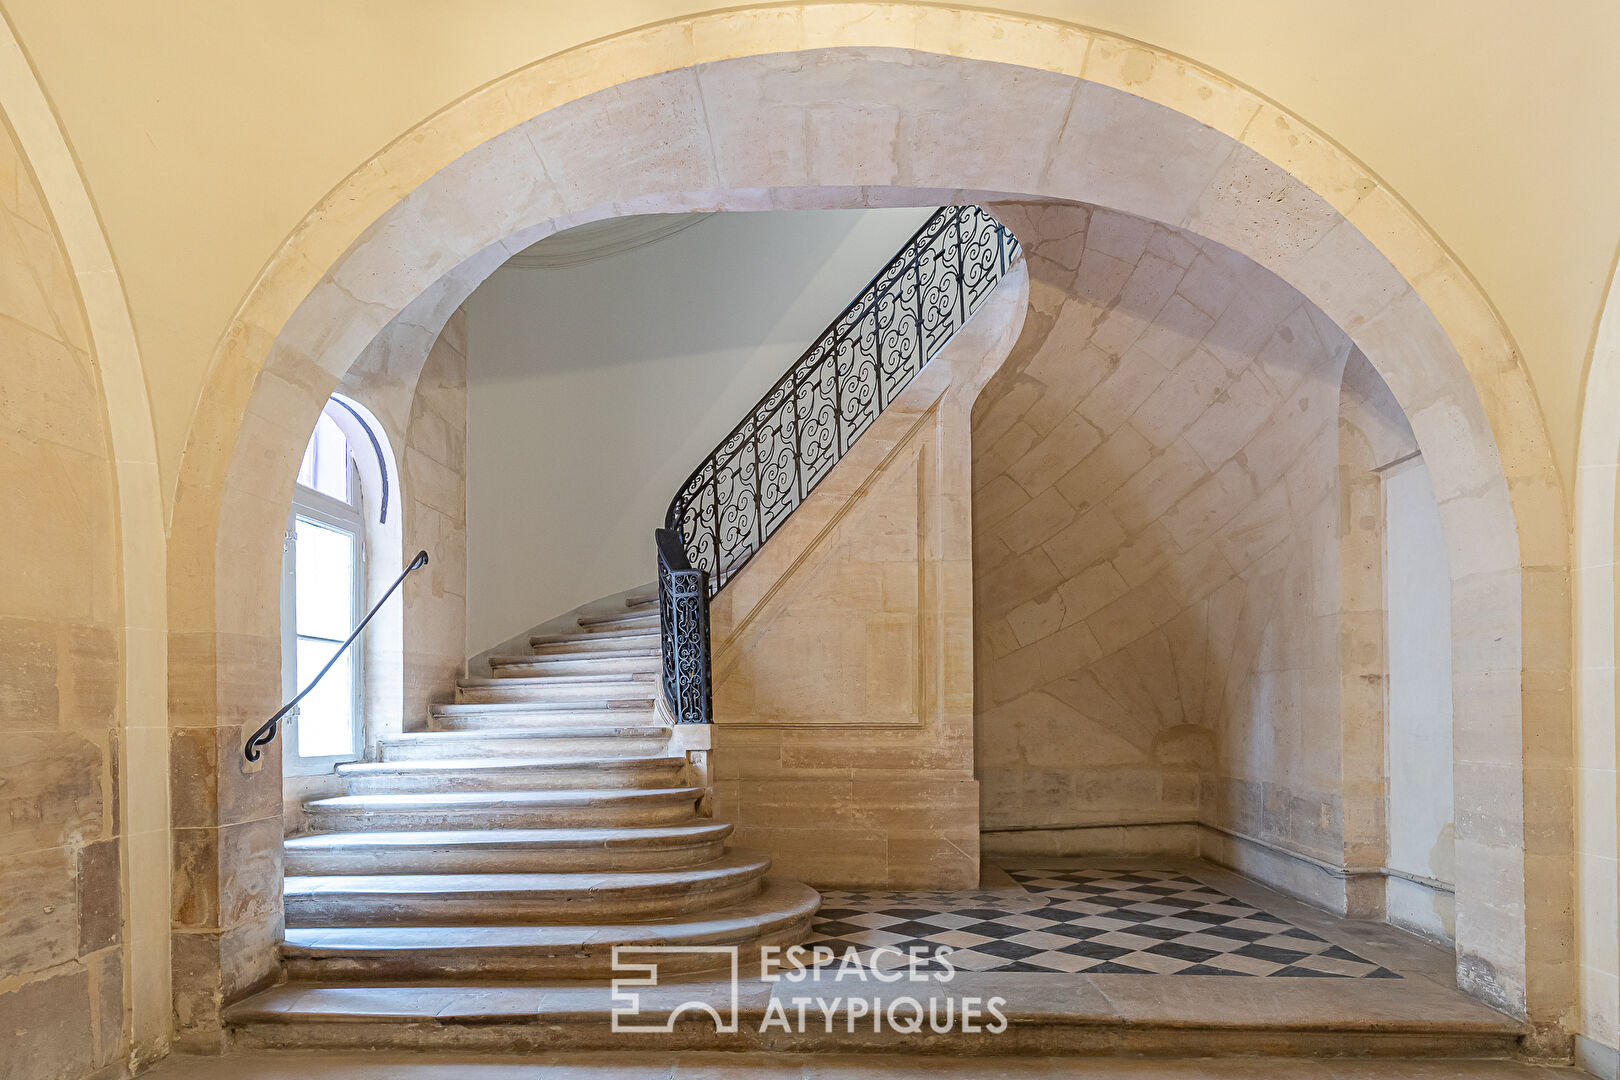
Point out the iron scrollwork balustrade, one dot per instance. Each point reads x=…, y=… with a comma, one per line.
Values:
x=787, y=444
x=267, y=730
x=683, y=603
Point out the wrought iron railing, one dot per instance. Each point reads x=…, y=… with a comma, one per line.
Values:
x=267, y=730
x=790, y=440
x=683, y=603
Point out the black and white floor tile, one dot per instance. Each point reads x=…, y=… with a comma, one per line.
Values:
x=1136, y=922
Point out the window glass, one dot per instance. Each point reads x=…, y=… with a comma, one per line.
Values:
x=325, y=585
x=326, y=716
x=325, y=580
x=325, y=467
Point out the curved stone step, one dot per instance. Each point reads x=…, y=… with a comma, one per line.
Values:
x=604, y=663
x=522, y=899
x=557, y=688
x=618, y=620
x=598, y=639
x=510, y=774
x=629, y=711
x=779, y=914
x=504, y=809
x=595, y=644
x=580, y=740
x=494, y=851
x=625, y=649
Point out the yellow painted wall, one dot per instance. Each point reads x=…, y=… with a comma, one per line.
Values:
x=208, y=128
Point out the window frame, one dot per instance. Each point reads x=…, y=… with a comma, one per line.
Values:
x=348, y=518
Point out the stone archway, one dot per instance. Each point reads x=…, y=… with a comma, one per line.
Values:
x=855, y=105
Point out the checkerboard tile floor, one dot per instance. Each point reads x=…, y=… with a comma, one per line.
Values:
x=1137, y=922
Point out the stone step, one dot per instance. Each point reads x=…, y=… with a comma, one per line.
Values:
x=641, y=603
x=615, y=663
x=619, y=620
x=779, y=914
x=557, y=689
x=1300, y=1028
x=504, y=809
x=598, y=645
x=510, y=774
x=521, y=899
x=494, y=851
x=628, y=712
x=597, y=638
x=559, y=741
x=619, y=649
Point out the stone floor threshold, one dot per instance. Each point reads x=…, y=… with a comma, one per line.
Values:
x=721, y=1066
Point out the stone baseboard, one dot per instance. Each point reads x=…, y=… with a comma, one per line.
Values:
x=1146, y=838
x=1601, y=1061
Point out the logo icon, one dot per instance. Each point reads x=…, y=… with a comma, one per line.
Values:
x=629, y=990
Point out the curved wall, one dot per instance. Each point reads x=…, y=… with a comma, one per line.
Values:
x=1157, y=579
x=593, y=391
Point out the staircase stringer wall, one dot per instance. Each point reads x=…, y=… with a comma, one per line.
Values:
x=843, y=652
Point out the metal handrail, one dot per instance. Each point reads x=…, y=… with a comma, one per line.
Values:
x=789, y=440
x=895, y=325
x=267, y=730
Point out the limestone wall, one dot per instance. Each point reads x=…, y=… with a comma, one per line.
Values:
x=1156, y=499
x=842, y=653
x=61, y=907
x=435, y=488
x=422, y=408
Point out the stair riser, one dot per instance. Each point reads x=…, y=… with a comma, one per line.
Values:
x=558, y=691
x=541, y=861
x=618, y=665
x=588, y=962
x=323, y=820
x=514, y=909
x=560, y=779
x=471, y=747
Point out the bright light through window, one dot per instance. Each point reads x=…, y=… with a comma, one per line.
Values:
x=326, y=598
x=325, y=467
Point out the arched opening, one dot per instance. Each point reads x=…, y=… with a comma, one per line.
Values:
x=1212, y=598
x=746, y=147
x=323, y=597
x=341, y=551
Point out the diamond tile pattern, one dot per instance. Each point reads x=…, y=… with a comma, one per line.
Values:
x=1136, y=922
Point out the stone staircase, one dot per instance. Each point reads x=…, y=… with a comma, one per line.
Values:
x=542, y=819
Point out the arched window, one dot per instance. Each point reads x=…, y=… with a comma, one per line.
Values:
x=323, y=598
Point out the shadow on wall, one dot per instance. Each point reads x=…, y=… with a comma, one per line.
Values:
x=1156, y=551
